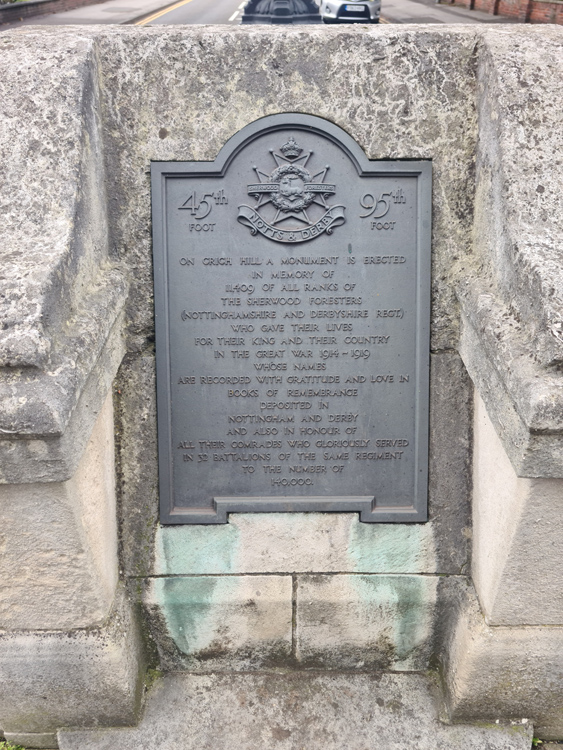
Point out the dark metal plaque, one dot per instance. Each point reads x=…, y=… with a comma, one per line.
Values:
x=292, y=299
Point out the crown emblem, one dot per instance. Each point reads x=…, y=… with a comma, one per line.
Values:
x=291, y=149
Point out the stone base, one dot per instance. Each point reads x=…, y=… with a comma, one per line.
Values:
x=316, y=621
x=506, y=671
x=297, y=710
x=87, y=677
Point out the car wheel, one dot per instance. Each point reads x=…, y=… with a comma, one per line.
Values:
x=328, y=20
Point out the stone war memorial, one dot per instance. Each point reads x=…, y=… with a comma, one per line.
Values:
x=281, y=346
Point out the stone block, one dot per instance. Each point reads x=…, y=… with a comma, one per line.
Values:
x=41, y=192
x=522, y=399
x=295, y=711
x=382, y=622
x=294, y=542
x=518, y=536
x=58, y=567
x=509, y=672
x=62, y=295
x=511, y=299
x=517, y=212
x=203, y=623
x=89, y=677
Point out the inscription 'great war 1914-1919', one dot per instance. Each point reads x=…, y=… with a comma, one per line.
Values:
x=292, y=311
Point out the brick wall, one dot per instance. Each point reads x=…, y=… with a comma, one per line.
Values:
x=512, y=8
x=527, y=11
x=546, y=12
x=487, y=6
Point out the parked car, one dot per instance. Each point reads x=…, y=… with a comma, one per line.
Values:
x=341, y=11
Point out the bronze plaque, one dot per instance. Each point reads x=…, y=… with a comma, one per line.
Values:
x=292, y=299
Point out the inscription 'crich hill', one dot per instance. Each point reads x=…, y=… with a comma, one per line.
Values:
x=292, y=379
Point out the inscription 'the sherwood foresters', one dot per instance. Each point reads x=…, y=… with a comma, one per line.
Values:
x=292, y=378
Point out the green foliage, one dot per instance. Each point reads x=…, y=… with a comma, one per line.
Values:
x=536, y=742
x=8, y=746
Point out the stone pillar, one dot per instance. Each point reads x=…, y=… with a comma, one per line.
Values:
x=509, y=642
x=518, y=536
x=69, y=643
x=505, y=657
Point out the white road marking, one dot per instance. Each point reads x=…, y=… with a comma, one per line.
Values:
x=235, y=14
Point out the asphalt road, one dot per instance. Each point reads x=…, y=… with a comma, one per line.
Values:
x=143, y=12
x=198, y=11
x=161, y=12
x=393, y=11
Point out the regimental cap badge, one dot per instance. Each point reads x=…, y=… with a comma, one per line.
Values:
x=291, y=201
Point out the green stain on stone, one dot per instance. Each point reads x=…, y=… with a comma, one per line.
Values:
x=186, y=605
x=391, y=548
x=402, y=606
x=415, y=604
x=193, y=550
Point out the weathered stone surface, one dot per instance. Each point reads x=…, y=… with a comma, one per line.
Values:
x=382, y=622
x=61, y=292
x=33, y=739
x=295, y=711
x=449, y=480
x=517, y=224
x=505, y=671
x=58, y=567
x=38, y=198
x=522, y=399
x=294, y=543
x=137, y=464
x=71, y=678
x=55, y=228
x=352, y=621
x=212, y=622
x=54, y=457
x=512, y=300
x=328, y=621
x=518, y=539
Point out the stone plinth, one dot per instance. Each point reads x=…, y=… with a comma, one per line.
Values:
x=293, y=711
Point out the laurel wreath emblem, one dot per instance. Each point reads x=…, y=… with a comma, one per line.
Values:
x=291, y=196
